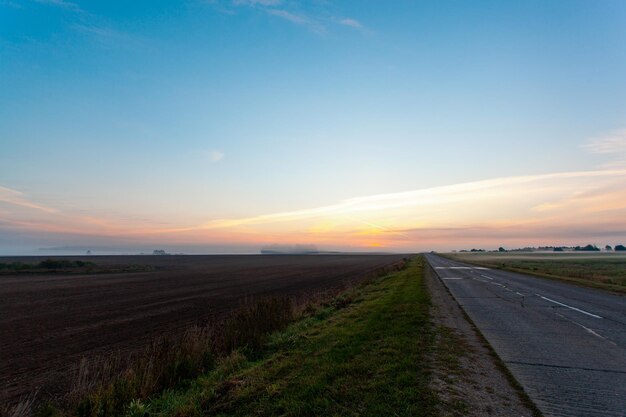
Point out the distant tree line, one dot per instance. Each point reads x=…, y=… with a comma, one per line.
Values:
x=593, y=248
x=586, y=248
x=52, y=264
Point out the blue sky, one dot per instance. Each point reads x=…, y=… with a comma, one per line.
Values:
x=181, y=113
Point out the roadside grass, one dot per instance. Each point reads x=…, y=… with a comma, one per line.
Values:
x=449, y=348
x=605, y=271
x=366, y=353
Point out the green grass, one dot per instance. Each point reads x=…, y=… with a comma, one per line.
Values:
x=47, y=265
x=599, y=270
x=364, y=354
x=65, y=266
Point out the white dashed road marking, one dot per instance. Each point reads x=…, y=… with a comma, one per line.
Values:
x=570, y=307
x=453, y=267
x=461, y=267
x=590, y=331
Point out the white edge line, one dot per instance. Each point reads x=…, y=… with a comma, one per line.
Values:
x=485, y=276
x=570, y=307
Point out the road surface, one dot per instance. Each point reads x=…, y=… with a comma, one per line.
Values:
x=565, y=344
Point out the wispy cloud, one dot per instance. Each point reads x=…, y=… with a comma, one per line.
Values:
x=300, y=20
x=102, y=33
x=60, y=3
x=17, y=198
x=614, y=143
x=9, y=3
x=294, y=12
x=216, y=155
x=88, y=24
x=109, y=37
x=316, y=19
x=257, y=2
x=352, y=23
x=444, y=196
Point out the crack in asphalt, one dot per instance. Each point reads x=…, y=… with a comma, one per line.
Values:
x=612, y=371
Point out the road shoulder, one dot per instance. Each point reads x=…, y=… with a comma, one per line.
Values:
x=466, y=373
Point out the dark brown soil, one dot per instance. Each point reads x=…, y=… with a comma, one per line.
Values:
x=48, y=322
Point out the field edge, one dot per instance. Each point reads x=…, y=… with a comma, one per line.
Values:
x=365, y=353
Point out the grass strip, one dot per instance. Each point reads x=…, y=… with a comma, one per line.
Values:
x=569, y=272
x=365, y=354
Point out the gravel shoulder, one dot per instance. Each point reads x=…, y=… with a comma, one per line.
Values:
x=467, y=376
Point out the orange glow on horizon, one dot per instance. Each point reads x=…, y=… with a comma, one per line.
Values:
x=516, y=209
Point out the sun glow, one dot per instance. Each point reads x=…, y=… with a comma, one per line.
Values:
x=545, y=207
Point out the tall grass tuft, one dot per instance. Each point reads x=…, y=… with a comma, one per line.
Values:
x=248, y=328
x=110, y=386
x=22, y=409
x=107, y=387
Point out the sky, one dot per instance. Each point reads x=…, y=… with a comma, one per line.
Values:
x=226, y=126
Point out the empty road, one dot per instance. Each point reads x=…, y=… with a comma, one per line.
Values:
x=565, y=344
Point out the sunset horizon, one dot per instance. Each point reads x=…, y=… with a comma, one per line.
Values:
x=364, y=224
x=229, y=126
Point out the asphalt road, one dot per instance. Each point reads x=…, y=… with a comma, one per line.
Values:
x=565, y=344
